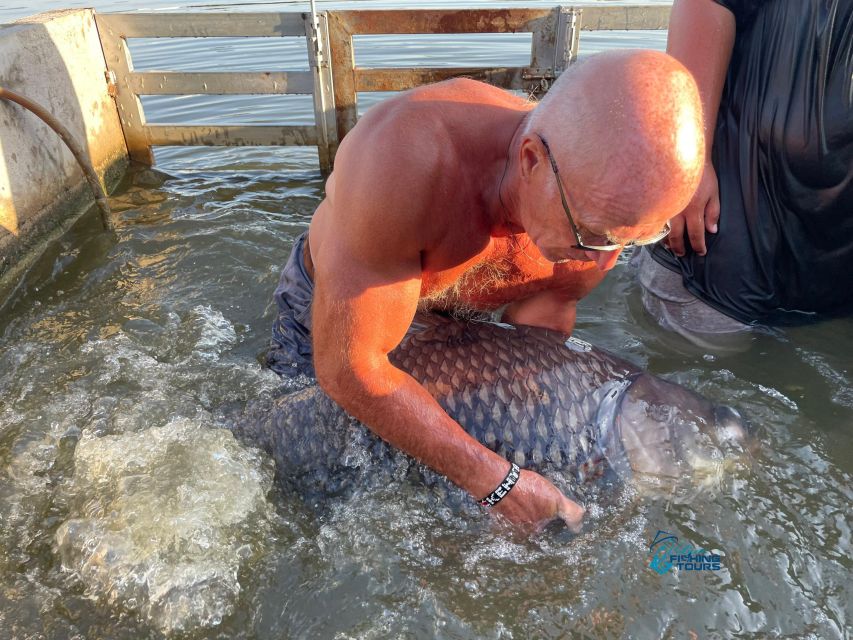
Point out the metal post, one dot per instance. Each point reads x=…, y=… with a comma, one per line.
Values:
x=317, y=33
x=130, y=112
x=538, y=78
x=568, y=38
x=577, y=18
x=343, y=72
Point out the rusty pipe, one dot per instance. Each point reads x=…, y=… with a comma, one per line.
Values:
x=76, y=150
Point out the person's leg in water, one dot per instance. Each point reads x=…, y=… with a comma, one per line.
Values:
x=676, y=309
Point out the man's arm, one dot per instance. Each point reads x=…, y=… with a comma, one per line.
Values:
x=357, y=320
x=368, y=282
x=550, y=309
x=701, y=37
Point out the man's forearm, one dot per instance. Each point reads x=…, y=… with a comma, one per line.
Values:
x=547, y=309
x=701, y=37
x=401, y=412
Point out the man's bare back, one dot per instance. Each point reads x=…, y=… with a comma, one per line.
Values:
x=443, y=197
x=447, y=133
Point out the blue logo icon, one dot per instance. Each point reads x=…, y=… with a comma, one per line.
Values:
x=666, y=552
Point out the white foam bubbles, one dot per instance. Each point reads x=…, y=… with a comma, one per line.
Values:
x=161, y=520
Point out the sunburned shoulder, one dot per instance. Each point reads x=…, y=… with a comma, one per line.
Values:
x=407, y=139
x=392, y=166
x=464, y=90
x=404, y=158
x=423, y=127
x=434, y=109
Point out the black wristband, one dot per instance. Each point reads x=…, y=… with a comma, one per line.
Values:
x=503, y=488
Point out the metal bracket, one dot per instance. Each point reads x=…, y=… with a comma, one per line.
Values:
x=545, y=79
x=316, y=41
x=112, y=88
x=532, y=73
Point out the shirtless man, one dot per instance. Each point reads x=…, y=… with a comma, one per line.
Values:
x=447, y=195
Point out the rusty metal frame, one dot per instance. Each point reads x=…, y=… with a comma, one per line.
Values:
x=334, y=80
x=324, y=99
x=350, y=79
x=555, y=43
x=140, y=136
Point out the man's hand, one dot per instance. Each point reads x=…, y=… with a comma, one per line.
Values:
x=535, y=501
x=702, y=214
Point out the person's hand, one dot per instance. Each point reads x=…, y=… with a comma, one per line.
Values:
x=702, y=214
x=534, y=501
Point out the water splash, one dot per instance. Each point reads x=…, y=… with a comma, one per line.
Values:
x=162, y=520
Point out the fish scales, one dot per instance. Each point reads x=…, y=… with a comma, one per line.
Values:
x=522, y=391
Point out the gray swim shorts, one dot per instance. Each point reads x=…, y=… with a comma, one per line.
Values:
x=290, y=348
x=676, y=309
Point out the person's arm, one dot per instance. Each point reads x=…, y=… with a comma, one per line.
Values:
x=368, y=283
x=552, y=309
x=357, y=320
x=701, y=37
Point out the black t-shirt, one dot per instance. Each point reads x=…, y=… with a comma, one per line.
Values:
x=783, y=151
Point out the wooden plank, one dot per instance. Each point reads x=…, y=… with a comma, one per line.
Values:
x=402, y=79
x=230, y=135
x=196, y=25
x=626, y=18
x=408, y=21
x=343, y=74
x=131, y=115
x=152, y=83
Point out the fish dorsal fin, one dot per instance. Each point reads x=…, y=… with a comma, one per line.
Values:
x=433, y=328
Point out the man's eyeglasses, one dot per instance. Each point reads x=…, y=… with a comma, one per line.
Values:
x=613, y=246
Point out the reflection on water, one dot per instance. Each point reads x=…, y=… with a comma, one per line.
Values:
x=128, y=512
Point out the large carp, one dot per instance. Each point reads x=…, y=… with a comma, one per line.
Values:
x=551, y=404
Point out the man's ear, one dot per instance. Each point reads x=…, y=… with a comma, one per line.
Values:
x=530, y=155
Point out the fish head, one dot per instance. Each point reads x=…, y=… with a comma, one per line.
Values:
x=664, y=432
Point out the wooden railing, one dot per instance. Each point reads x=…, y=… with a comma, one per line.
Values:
x=334, y=79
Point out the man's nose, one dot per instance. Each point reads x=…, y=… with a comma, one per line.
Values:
x=604, y=259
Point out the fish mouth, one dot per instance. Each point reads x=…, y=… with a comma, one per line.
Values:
x=658, y=429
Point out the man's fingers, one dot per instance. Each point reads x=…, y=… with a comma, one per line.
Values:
x=696, y=230
x=572, y=514
x=675, y=239
x=712, y=213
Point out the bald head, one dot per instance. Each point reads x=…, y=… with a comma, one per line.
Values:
x=626, y=131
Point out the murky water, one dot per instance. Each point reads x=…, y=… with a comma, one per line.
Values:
x=126, y=511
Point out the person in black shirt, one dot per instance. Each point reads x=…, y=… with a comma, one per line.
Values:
x=768, y=237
